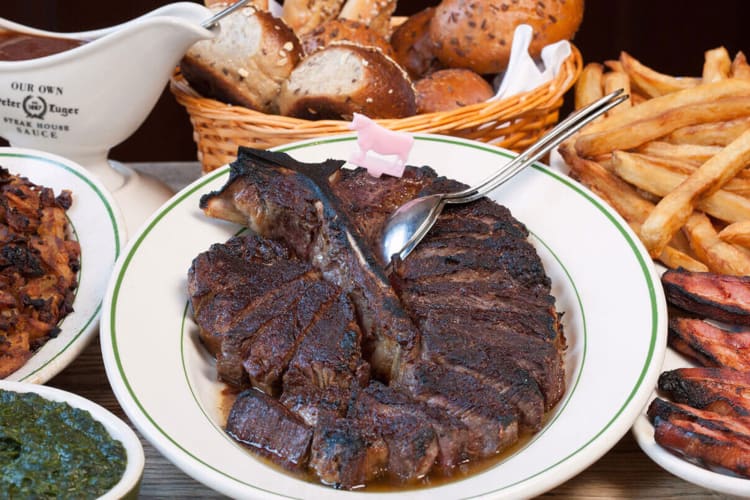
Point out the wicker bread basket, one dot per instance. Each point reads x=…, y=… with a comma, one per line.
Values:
x=513, y=122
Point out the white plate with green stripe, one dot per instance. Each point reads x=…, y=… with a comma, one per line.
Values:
x=96, y=223
x=603, y=280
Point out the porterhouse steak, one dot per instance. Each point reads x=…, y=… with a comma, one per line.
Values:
x=445, y=360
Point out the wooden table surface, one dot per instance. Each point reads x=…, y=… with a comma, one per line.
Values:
x=624, y=472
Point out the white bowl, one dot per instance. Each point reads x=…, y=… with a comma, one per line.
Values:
x=129, y=483
x=96, y=222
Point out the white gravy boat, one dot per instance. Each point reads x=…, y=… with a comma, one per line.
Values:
x=82, y=102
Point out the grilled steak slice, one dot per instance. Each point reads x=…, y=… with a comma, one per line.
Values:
x=721, y=390
x=226, y=280
x=496, y=366
x=268, y=428
x=709, y=446
x=279, y=197
x=237, y=287
x=327, y=365
x=273, y=345
x=492, y=348
x=347, y=453
x=489, y=416
x=412, y=441
x=710, y=345
x=715, y=296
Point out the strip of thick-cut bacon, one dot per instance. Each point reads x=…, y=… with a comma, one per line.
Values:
x=737, y=427
x=709, y=345
x=722, y=390
x=716, y=296
x=714, y=448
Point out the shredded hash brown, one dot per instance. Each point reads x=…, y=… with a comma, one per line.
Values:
x=39, y=265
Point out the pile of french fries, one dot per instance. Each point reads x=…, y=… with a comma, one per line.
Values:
x=674, y=159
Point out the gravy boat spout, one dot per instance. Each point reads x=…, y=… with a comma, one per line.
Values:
x=81, y=102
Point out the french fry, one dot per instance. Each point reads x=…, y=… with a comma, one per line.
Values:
x=634, y=134
x=716, y=65
x=740, y=67
x=626, y=201
x=660, y=181
x=650, y=82
x=673, y=211
x=588, y=88
x=652, y=108
x=693, y=153
x=737, y=233
x=717, y=133
x=740, y=184
x=613, y=81
x=617, y=193
x=720, y=256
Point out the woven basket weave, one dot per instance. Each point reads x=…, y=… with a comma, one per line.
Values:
x=513, y=122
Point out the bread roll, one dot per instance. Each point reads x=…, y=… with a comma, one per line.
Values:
x=477, y=34
x=246, y=63
x=303, y=16
x=451, y=88
x=412, y=44
x=342, y=79
x=345, y=30
x=374, y=13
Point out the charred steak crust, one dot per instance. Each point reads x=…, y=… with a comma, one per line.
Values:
x=367, y=374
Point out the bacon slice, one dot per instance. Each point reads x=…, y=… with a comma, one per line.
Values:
x=716, y=296
x=708, y=438
x=710, y=345
x=721, y=390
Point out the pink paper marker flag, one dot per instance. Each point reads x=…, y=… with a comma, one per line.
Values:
x=376, y=142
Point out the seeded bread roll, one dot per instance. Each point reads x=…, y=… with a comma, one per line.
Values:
x=413, y=46
x=449, y=89
x=477, y=34
x=246, y=63
x=342, y=79
x=374, y=13
x=344, y=30
x=304, y=16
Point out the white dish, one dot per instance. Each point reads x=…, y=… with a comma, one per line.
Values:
x=129, y=483
x=96, y=222
x=165, y=380
x=643, y=431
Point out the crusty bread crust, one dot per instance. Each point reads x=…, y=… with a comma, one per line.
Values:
x=477, y=34
x=246, y=63
x=342, y=79
x=374, y=13
x=412, y=44
x=345, y=30
x=449, y=89
x=304, y=16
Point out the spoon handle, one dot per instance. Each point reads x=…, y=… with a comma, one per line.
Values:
x=558, y=134
x=214, y=20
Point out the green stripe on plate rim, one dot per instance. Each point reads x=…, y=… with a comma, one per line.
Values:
x=211, y=176
x=110, y=214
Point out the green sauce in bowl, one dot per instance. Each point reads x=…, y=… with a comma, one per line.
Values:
x=49, y=449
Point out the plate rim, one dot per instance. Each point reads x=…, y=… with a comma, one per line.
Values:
x=656, y=302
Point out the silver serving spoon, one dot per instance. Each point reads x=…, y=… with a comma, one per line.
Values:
x=214, y=20
x=406, y=227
